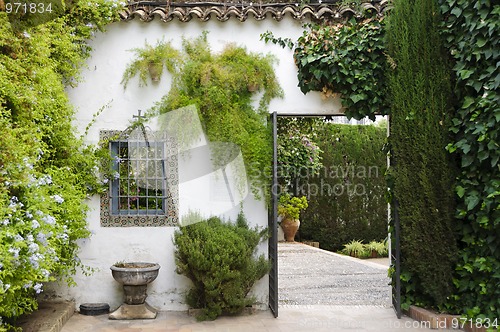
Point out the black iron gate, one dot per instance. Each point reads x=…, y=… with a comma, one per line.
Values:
x=273, y=223
x=395, y=237
x=396, y=259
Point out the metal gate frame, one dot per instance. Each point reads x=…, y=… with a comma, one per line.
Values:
x=396, y=259
x=273, y=223
x=395, y=240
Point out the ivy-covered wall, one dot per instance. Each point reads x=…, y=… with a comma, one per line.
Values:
x=472, y=34
x=347, y=198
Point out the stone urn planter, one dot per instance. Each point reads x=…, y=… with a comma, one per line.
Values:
x=135, y=277
x=290, y=228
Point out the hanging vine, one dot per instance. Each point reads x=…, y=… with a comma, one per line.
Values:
x=223, y=86
x=345, y=58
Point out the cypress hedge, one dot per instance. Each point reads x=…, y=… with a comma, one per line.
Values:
x=347, y=198
x=419, y=93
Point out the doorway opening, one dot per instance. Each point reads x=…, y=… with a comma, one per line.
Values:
x=346, y=198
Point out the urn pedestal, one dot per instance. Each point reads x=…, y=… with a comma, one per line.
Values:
x=134, y=277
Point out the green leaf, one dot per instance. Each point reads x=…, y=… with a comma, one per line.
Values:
x=483, y=220
x=460, y=191
x=472, y=201
x=465, y=74
x=357, y=97
x=481, y=42
x=457, y=11
x=482, y=155
x=467, y=102
x=465, y=148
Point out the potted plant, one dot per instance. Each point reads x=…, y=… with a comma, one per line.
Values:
x=289, y=208
x=355, y=249
x=377, y=249
x=150, y=61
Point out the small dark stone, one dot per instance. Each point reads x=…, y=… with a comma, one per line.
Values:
x=94, y=309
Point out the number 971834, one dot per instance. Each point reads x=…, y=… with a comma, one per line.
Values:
x=23, y=14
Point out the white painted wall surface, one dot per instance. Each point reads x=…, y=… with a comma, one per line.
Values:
x=101, y=86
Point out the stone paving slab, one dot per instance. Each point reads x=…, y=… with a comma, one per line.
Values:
x=50, y=317
x=309, y=276
x=315, y=318
x=360, y=275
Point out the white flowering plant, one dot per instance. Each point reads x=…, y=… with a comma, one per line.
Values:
x=39, y=226
x=46, y=172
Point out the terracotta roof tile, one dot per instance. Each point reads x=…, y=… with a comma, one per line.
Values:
x=262, y=9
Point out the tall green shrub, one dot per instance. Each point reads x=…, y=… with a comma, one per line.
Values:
x=218, y=257
x=419, y=93
x=347, y=198
x=46, y=173
x=472, y=31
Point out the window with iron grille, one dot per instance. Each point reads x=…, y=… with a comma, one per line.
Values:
x=139, y=186
x=144, y=186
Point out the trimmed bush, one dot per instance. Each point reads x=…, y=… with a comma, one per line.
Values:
x=218, y=257
x=347, y=199
x=419, y=85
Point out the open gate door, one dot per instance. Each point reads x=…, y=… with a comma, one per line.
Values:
x=273, y=223
x=396, y=259
x=395, y=241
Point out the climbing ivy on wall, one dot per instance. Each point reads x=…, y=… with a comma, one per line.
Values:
x=419, y=92
x=345, y=58
x=46, y=172
x=472, y=32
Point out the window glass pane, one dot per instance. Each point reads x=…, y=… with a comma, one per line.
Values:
x=140, y=187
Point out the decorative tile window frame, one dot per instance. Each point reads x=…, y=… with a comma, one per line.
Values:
x=171, y=216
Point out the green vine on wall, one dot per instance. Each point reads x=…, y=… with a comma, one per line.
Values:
x=472, y=32
x=223, y=87
x=344, y=58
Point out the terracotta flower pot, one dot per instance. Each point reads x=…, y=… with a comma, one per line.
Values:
x=290, y=228
x=155, y=70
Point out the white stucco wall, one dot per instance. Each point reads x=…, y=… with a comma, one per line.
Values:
x=101, y=86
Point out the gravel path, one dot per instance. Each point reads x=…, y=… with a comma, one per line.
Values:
x=311, y=276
